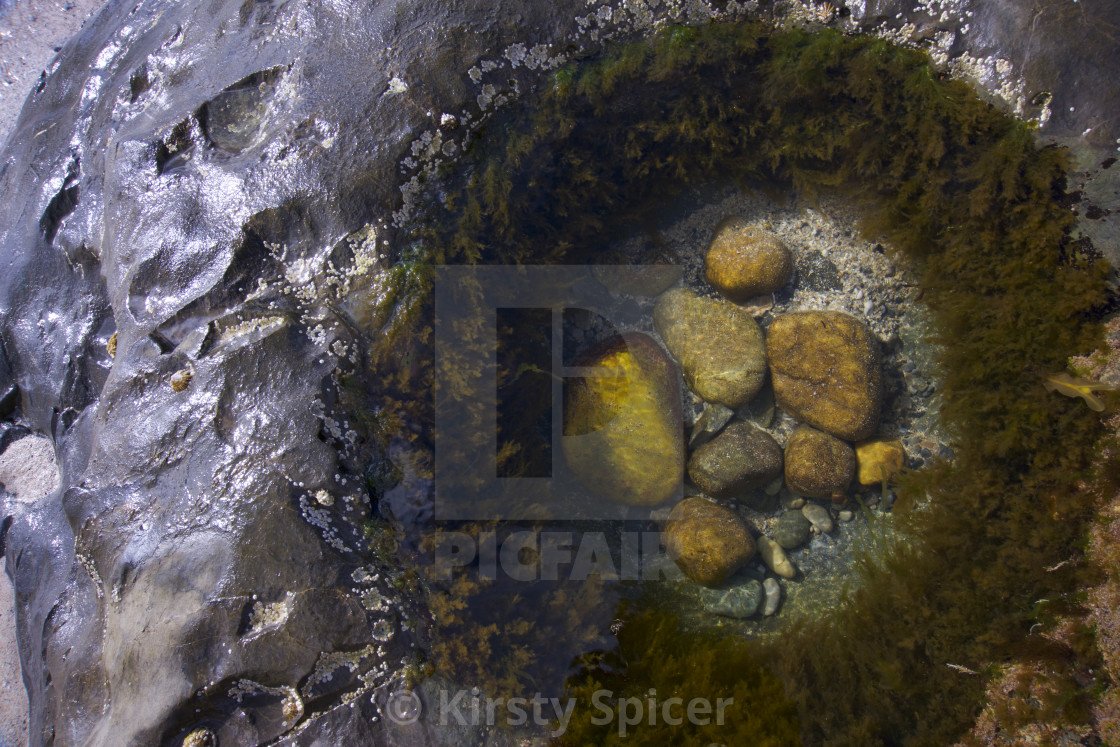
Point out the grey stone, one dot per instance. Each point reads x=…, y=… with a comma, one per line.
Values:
x=818, y=516
x=710, y=422
x=773, y=592
x=792, y=530
x=816, y=272
x=739, y=601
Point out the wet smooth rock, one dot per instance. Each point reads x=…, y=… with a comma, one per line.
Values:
x=775, y=558
x=740, y=458
x=773, y=592
x=879, y=460
x=818, y=465
x=825, y=370
x=818, y=516
x=792, y=530
x=740, y=601
x=708, y=542
x=710, y=422
x=746, y=260
x=719, y=346
x=622, y=433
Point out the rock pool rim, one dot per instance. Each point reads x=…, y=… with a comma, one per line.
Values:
x=973, y=204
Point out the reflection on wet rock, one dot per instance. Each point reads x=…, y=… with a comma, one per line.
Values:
x=622, y=430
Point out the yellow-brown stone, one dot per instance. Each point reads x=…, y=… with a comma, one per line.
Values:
x=708, y=542
x=879, y=460
x=825, y=370
x=745, y=260
x=818, y=465
x=623, y=432
x=719, y=346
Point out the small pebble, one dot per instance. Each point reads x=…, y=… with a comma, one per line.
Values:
x=818, y=515
x=775, y=558
x=846, y=515
x=797, y=503
x=773, y=592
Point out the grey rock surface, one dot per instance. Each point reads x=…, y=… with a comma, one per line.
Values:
x=216, y=185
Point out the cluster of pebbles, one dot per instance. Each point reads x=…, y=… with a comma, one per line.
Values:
x=810, y=385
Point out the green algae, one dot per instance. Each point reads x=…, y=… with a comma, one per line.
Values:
x=963, y=193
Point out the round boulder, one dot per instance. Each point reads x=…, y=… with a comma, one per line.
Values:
x=738, y=459
x=745, y=260
x=819, y=465
x=825, y=371
x=708, y=542
x=719, y=346
x=622, y=433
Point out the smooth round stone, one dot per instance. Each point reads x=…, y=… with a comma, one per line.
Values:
x=739, y=601
x=740, y=458
x=846, y=515
x=622, y=433
x=818, y=516
x=775, y=558
x=773, y=591
x=719, y=346
x=879, y=459
x=825, y=370
x=745, y=260
x=792, y=530
x=818, y=465
x=708, y=542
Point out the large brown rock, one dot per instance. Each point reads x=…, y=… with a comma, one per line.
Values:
x=818, y=465
x=738, y=459
x=623, y=434
x=825, y=370
x=719, y=346
x=708, y=542
x=745, y=260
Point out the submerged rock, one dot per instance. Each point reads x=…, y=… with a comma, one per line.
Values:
x=775, y=558
x=710, y=422
x=773, y=592
x=792, y=530
x=825, y=370
x=879, y=460
x=719, y=346
x=622, y=433
x=818, y=516
x=708, y=542
x=738, y=459
x=818, y=465
x=740, y=601
x=745, y=260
